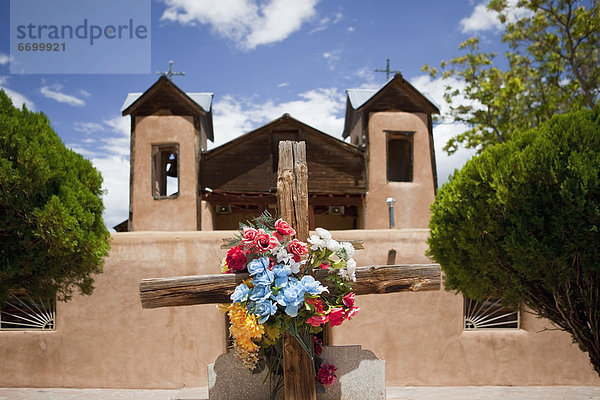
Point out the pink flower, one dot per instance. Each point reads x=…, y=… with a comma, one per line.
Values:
x=248, y=235
x=317, y=320
x=326, y=374
x=284, y=228
x=336, y=316
x=324, y=266
x=297, y=248
x=351, y=312
x=236, y=259
x=263, y=241
x=348, y=300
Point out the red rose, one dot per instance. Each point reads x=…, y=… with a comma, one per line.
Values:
x=324, y=266
x=263, y=241
x=348, y=300
x=336, y=316
x=317, y=320
x=326, y=375
x=351, y=312
x=284, y=228
x=236, y=259
x=248, y=235
x=297, y=248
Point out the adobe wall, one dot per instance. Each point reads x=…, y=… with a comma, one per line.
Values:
x=412, y=198
x=421, y=337
x=107, y=340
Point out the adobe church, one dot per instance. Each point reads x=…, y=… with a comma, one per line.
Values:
x=177, y=185
x=184, y=199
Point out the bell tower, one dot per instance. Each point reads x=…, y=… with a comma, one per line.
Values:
x=394, y=126
x=169, y=131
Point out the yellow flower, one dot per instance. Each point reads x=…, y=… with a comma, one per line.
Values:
x=224, y=267
x=244, y=327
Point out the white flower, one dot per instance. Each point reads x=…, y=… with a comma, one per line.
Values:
x=333, y=245
x=317, y=242
x=347, y=275
x=282, y=254
x=295, y=266
x=324, y=233
x=348, y=248
x=351, y=264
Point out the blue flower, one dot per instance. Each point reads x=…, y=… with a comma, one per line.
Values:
x=281, y=273
x=263, y=310
x=264, y=278
x=258, y=265
x=240, y=294
x=260, y=293
x=311, y=285
x=291, y=297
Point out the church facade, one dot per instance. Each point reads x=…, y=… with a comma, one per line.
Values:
x=177, y=185
x=375, y=186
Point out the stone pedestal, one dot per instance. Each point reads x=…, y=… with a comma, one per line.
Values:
x=360, y=376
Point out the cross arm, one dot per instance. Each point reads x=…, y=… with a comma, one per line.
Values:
x=214, y=289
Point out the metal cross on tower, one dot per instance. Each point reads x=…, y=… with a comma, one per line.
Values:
x=387, y=70
x=170, y=73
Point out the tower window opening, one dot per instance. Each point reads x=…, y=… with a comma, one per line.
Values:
x=399, y=156
x=165, y=171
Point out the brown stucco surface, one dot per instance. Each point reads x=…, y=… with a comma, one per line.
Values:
x=108, y=341
x=169, y=214
x=412, y=198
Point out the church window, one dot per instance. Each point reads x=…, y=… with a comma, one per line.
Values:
x=399, y=156
x=22, y=312
x=165, y=171
x=489, y=314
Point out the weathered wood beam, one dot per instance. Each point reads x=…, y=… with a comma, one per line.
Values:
x=292, y=202
x=213, y=289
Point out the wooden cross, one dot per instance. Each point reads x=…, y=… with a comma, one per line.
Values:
x=292, y=200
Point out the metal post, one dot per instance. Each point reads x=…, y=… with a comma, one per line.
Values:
x=390, y=202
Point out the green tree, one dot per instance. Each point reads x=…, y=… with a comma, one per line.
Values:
x=52, y=236
x=521, y=221
x=552, y=65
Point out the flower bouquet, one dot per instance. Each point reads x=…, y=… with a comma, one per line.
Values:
x=282, y=297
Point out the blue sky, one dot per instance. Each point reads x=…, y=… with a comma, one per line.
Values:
x=261, y=59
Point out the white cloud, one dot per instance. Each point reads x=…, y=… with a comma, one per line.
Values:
x=4, y=59
x=447, y=164
x=332, y=57
x=17, y=98
x=87, y=127
x=54, y=92
x=483, y=19
x=367, y=75
x=115, y=171
x=319, y=108
x=249, y=23
x=110, y=154
x=119, y=124
x=283, y=84
x=350, y=29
